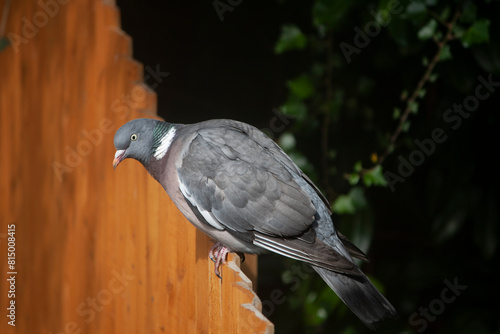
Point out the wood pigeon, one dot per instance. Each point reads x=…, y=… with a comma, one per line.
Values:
x=238, y=186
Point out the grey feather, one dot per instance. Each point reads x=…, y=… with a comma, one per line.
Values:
x=249, y=180
x=362, y=298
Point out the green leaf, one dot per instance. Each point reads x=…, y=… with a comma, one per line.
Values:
x=353, y=178
x=445, y=53
x=469, y=12
x=458, y=31
x=328, y=13
x=406, y=126
x=416, y=11
x=427, y=31
x=374, y=177
x=358, y=167
x=404, y=95
x=422, y=92
x=445, y=13
x=400, y=30
x=357, y=195
x=291, y=38
x=343, y=205
x=477, y=33
x=413, y=105
x=318, y=307
x=396, y=113
x=391, y=148
x=350, y=203
x=302, y=87
x=295, y=108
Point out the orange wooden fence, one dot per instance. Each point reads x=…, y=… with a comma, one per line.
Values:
x=97, y=250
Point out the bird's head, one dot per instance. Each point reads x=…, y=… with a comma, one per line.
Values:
x=142, y=139
x=133, y=140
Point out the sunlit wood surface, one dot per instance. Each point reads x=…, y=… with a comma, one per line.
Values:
x=97, y=250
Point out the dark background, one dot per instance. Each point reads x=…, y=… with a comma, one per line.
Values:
x=217, y=69
x=439, y=226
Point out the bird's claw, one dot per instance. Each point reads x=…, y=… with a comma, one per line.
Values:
x=214, y=251
x=218, y=254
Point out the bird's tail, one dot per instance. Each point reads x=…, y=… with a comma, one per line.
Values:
x=360, y=295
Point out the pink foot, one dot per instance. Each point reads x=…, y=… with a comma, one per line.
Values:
x=218, y=254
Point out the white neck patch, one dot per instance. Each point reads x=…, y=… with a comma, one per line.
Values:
x=165, y=143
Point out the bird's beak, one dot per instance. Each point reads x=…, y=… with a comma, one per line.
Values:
x=119, y=156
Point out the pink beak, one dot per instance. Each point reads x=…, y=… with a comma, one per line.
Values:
x=119, y=155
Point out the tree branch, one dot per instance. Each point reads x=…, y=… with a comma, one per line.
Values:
x=415, y=94
x=427, y=74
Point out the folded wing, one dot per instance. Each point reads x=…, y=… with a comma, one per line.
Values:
x=237, y=179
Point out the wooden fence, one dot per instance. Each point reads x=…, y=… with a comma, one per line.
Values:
x=97, y=250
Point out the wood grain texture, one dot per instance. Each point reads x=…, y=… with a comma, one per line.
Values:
x=97, y=250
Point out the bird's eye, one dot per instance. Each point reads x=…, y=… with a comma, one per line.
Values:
x=133, y=137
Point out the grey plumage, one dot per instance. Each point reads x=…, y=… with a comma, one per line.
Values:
x=235, y=184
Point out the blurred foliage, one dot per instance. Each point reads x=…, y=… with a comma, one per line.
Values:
x=380, y=76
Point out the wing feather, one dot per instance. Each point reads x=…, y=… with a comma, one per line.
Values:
x=228, y=173
x=233, y=174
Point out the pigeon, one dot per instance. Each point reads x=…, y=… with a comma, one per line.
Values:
x=235, y=184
